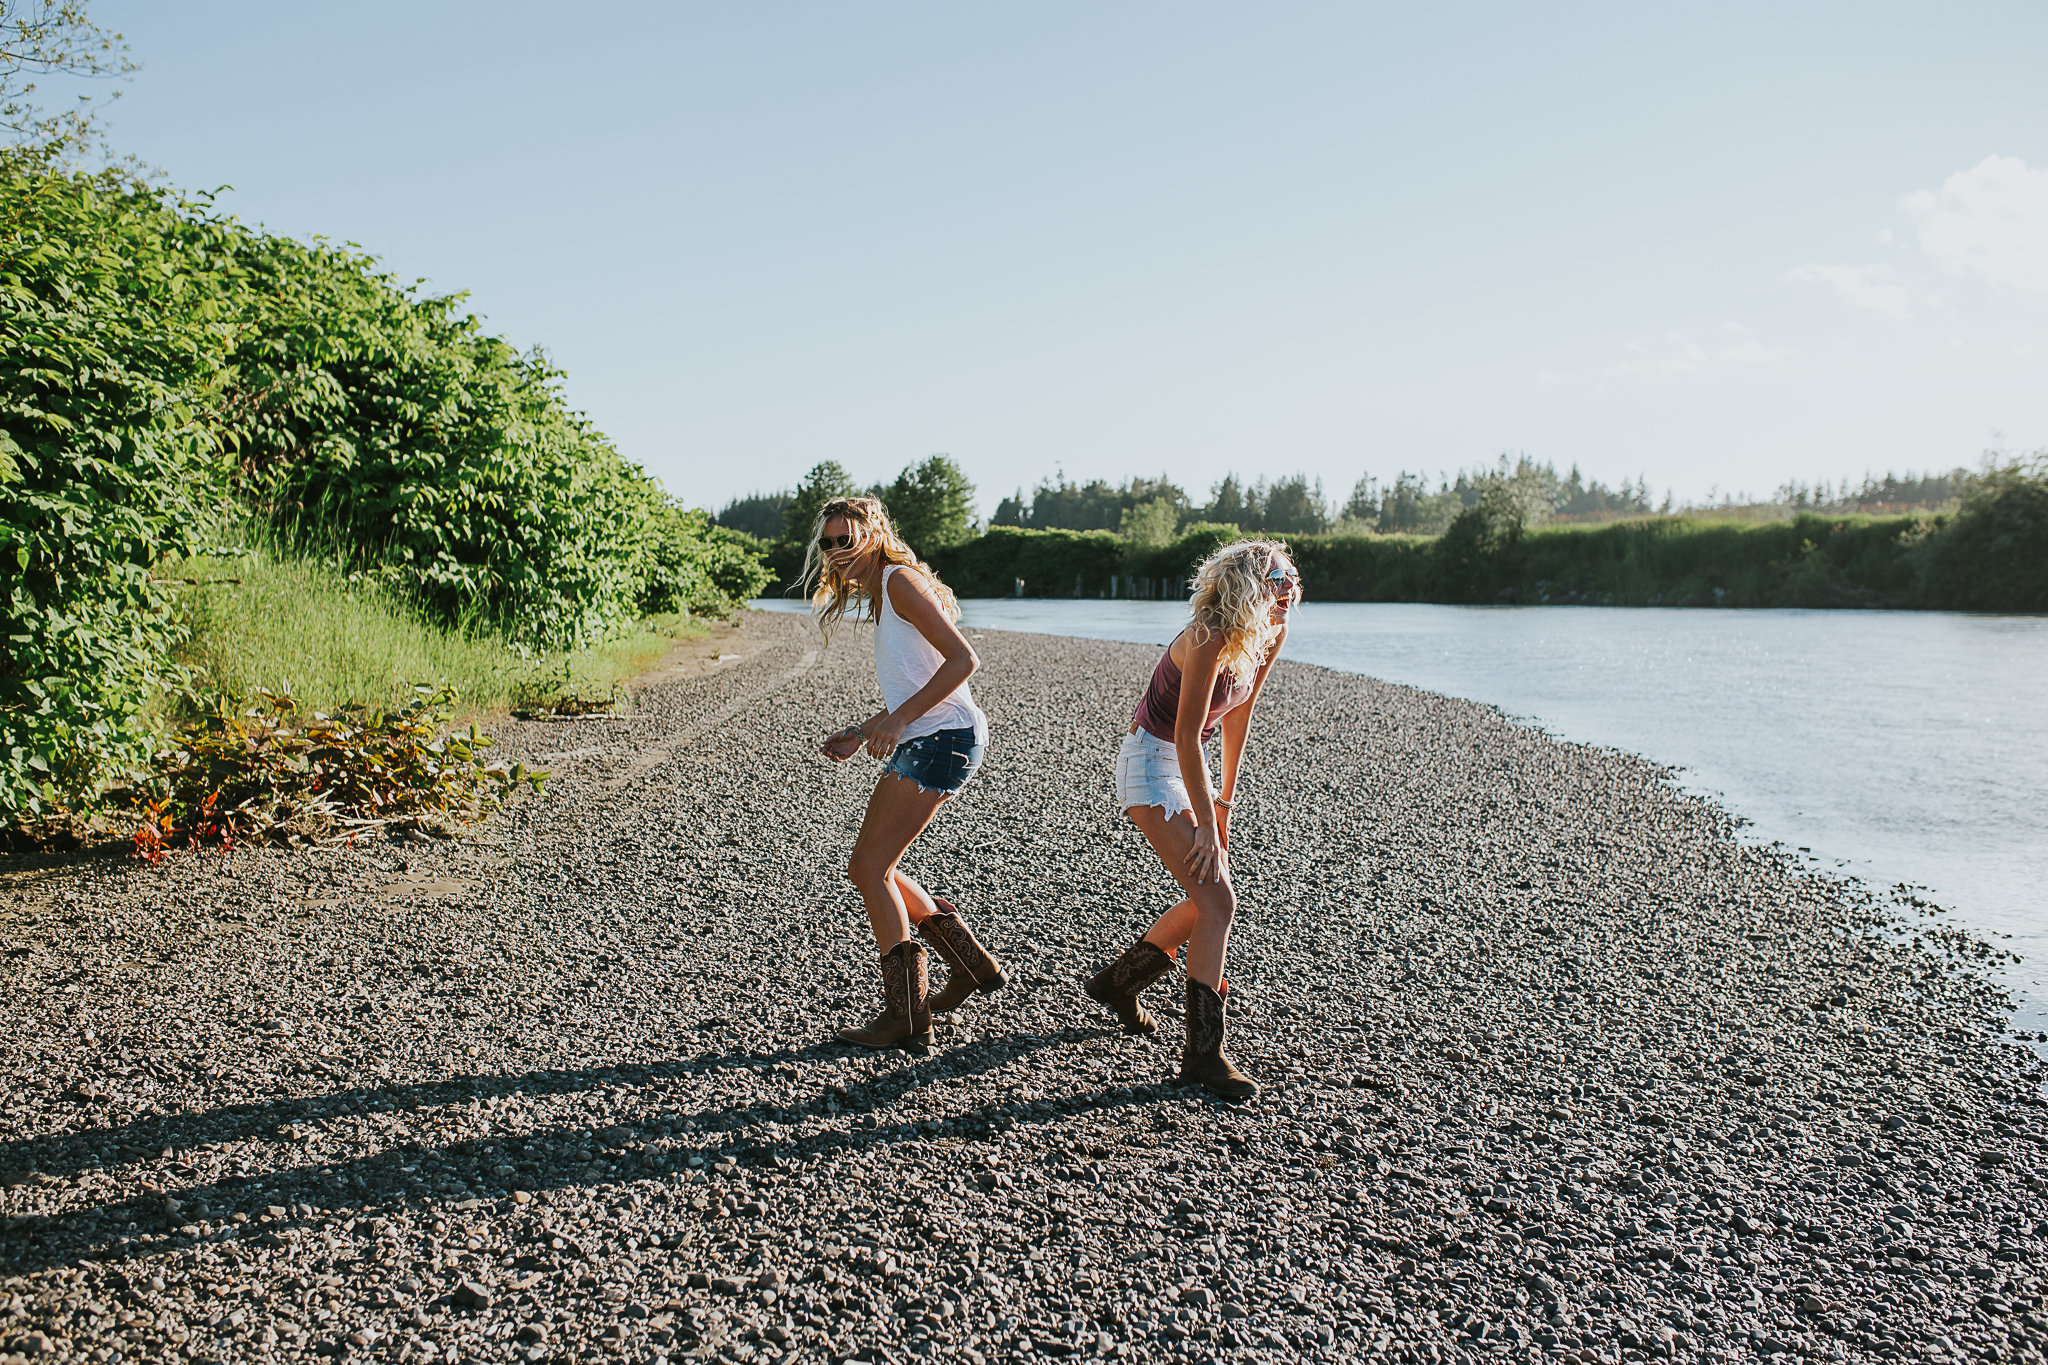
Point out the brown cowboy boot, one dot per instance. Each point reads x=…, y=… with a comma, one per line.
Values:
x=1202, y=1060
x=1118, y=984
x=973, y=969
x=906, y=1017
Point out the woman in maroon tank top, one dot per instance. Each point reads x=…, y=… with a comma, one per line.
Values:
x=1207, y=682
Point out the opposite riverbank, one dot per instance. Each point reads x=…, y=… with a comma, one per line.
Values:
x=1556, y=1066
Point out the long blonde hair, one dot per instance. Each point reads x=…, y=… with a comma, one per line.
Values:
x=1231, y=600
x=833, y=595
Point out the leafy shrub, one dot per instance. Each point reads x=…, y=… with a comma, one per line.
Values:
x=1173, y=564
x=689, y=565
x=254, y=770
x=104, y=376
x=1051, y=563
x=160, y=364
x=1476, y=551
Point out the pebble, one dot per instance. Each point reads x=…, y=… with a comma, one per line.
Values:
x=1556, y=1066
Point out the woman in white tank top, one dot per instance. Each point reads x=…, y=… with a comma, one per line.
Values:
x=931, y=734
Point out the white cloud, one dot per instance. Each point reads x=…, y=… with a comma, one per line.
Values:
x=1989, y=222
x=1678, y=353
x=1866, y=286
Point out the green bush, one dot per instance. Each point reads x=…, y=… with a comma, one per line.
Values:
x=689, y=565
x=1992, y=555
x=109, y=361
x=1051, y=563
x=162, y=368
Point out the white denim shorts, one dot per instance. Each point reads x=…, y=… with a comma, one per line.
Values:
x=1148, y=774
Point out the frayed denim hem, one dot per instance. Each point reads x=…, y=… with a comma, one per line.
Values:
x=928, y=791
x=1172, y=808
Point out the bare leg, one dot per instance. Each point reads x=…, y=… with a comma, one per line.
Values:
x=897, y=813
x=1172, y=928
x=1212, y=904
x=917, y=902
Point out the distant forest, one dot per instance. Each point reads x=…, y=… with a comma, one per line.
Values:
x=1154, y=511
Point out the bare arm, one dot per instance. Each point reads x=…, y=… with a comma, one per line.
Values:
x=915, y=602
x=1237, y=727
x=1203, y=661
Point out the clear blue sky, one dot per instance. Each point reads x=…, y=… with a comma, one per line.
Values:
x=1717, y=245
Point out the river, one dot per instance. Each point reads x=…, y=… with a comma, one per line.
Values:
x=1895, y=747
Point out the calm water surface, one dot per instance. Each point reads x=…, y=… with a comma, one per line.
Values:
x=1897, y=746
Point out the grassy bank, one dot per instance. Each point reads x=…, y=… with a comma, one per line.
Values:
x=259, y=617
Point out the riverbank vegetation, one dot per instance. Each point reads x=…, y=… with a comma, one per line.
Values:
x=232, y=461
x=1963, y=540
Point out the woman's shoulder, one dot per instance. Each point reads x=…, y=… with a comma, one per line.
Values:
x=908, y=575
x=906, y=583
x=1192, y=644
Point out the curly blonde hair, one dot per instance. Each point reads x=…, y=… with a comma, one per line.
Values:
x=832, y=595
x=1230, y=599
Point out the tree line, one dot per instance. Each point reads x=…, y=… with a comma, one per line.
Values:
x=936, y=501
x=1517, y=531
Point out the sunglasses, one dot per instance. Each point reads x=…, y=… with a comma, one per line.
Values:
x=1283, y=576
x=835, y=542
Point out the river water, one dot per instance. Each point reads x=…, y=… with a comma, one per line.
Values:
x=1898, y=747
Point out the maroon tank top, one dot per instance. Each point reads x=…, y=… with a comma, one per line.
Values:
x=1159, y=708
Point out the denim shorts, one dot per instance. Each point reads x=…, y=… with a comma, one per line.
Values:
x=1148, y=774
x=939, y=762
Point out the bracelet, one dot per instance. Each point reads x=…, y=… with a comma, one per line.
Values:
x=1219, y=801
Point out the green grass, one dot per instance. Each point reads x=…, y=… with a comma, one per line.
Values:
x=262, y=617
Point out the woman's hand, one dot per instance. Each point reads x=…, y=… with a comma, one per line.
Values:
x=884, y=732
x=842, y=744
x=1207, y=859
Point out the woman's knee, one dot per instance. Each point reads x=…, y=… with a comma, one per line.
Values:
x=1219, y=905
x=866, y=872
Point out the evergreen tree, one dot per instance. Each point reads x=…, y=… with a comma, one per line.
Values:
x=1293, y=507
x=1365, y=500
x=1227, y=503
x=757, y=514
x=1012, y=511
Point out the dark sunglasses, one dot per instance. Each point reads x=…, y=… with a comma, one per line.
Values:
x=835, y=542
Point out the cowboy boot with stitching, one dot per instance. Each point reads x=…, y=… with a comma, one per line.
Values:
x=973, y=969
x=1202, y=1060
x=1118, y=984
x=906, y=1017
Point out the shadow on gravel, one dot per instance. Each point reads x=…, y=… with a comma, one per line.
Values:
x=644, y=1138
x=22, y=868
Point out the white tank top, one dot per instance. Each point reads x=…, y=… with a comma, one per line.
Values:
x=905, y=662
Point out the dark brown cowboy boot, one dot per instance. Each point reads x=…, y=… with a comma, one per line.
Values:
x=1118, y=984
x=973, y=969
x=906, y=1017
x=1202, y=1060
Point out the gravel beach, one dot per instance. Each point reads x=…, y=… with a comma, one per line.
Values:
x=1556, y=1067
